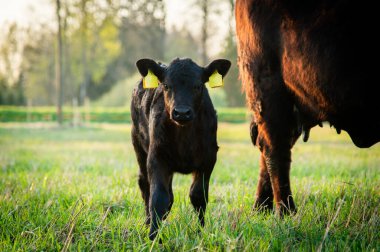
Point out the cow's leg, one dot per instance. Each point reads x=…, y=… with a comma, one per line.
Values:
x=260, y=63
x=143, y=175
x=145, y=188
x=277, y=131
x=159, y=203
x=279, y=163
x=264, y=193
x=199, y=193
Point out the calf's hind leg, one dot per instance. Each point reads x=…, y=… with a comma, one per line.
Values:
x=143, y=176
x=171, y=196
x=199, y=193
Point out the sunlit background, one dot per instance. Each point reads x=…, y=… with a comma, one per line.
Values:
x=101, y=40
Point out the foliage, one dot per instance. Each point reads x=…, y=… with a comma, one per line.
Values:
x=38, y=66
x=12, y=95
x=120, y=95
x=76, y=188
x=180, y=44
x=235, y=97
x=12, y=89
x=101, y=41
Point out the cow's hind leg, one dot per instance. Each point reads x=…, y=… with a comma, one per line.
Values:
x=279, y=163
x=264, y=193
x=260, y=65
x=277, y=133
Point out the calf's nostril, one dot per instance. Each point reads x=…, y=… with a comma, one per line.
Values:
x=181, y=113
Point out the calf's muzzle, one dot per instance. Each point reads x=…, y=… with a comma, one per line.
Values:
x=182, y=114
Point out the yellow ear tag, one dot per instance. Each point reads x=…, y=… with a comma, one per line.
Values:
x=215, y=80
x=150, y=80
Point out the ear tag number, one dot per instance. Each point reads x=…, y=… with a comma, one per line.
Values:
x=215, y=80
x=150, y=80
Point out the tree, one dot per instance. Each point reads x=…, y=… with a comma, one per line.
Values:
x=10, y=50
x=208, y=13
x=180, y=43
x=59, y=68
x=205, y=16
x=93, y=40
x=234, y=95
x=11, y=78
x=38, y=65
x=84, y=46
x=142, y=32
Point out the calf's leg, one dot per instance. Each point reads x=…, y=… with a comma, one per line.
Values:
x=171, y=196
x=143, y=176
x=199, y=193
x=159, y=202
x=145, y=188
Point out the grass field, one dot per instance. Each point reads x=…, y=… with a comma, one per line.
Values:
x=76, y=189
x=97, y=114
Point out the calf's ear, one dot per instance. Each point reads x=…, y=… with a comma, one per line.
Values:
x=148, y=67
x=215, y=72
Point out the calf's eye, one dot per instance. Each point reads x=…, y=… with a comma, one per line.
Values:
x=166, y=87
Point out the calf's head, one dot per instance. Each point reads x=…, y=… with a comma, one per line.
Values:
x=183, y=82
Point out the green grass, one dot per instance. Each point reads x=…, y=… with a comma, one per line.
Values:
x=76, y=189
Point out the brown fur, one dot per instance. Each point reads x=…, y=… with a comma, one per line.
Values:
x=302, y=63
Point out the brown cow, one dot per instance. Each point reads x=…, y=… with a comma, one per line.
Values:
x=303, y=63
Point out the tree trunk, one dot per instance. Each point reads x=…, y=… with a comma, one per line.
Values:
x=85, y=83
x=205, y=13
x=59, y=66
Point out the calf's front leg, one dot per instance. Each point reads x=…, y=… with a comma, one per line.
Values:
x=160, y=199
